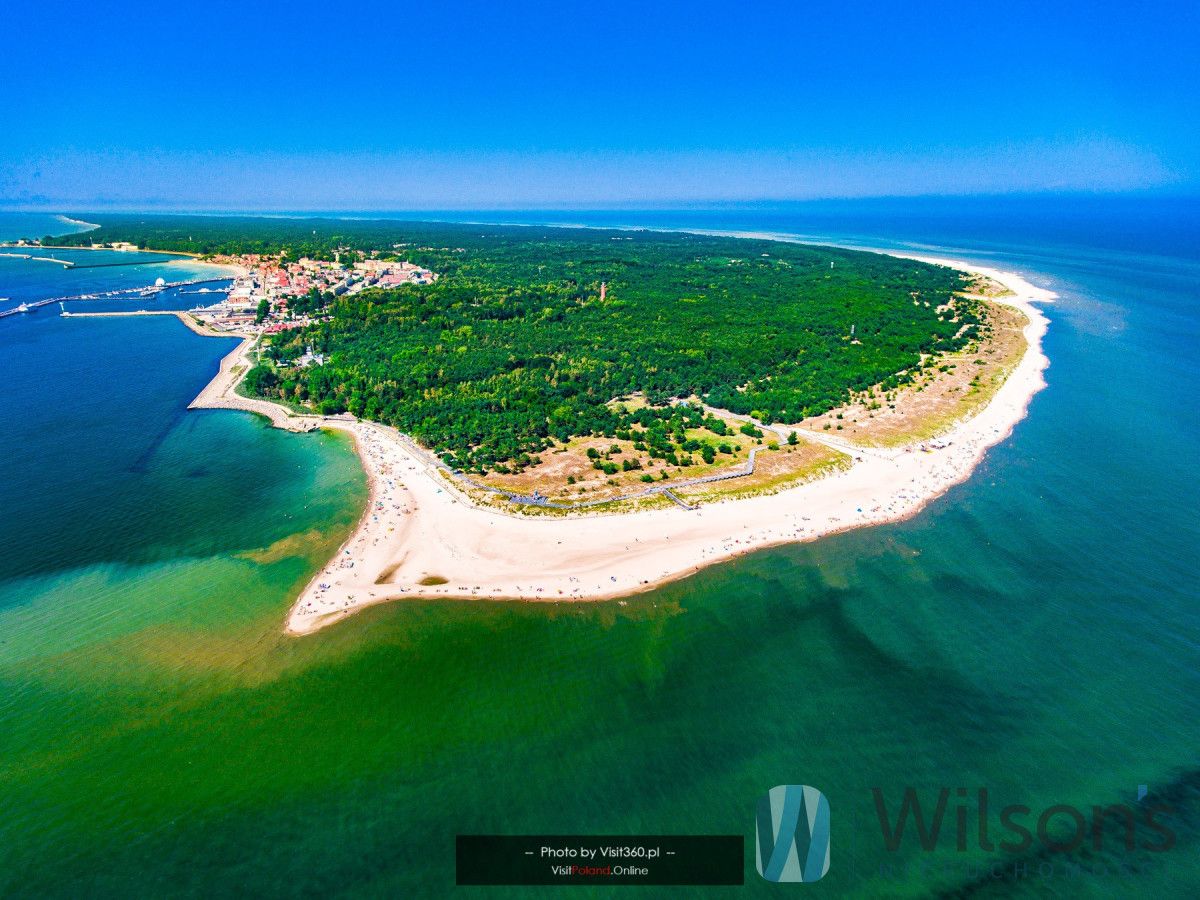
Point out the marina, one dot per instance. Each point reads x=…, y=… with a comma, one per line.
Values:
x=138, y=292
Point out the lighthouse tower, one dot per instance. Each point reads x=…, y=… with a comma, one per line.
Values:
x=603, y=290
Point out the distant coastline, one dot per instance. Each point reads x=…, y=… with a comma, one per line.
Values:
x=87, y=226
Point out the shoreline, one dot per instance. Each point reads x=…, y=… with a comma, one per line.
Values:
x=418, y=527
x=221, y=392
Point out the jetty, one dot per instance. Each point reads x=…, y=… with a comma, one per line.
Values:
x=63, y=262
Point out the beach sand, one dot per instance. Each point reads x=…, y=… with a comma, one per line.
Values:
x=418, y=527
x=194, y=261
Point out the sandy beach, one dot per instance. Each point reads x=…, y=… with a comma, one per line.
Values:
x=194, y=261
x=420, y=537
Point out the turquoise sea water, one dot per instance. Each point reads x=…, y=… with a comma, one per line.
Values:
x=1034, y=632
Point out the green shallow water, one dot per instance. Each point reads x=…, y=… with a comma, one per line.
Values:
x=1034, y=632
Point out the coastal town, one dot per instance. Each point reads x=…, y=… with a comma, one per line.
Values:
x=263, y=298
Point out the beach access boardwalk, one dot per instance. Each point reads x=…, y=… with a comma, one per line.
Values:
x=665, y=489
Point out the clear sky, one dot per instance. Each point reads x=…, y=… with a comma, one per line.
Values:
x=364, y=105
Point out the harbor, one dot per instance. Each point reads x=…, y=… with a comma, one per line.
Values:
x=132, y=293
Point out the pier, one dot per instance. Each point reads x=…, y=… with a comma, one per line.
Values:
x=72, y=264
x=66, y=263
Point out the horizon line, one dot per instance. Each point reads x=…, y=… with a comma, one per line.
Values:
x=166, y=208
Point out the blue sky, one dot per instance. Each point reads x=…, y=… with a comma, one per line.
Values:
x=406, y=106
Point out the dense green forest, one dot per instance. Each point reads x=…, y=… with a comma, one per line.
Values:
x=513, y=345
